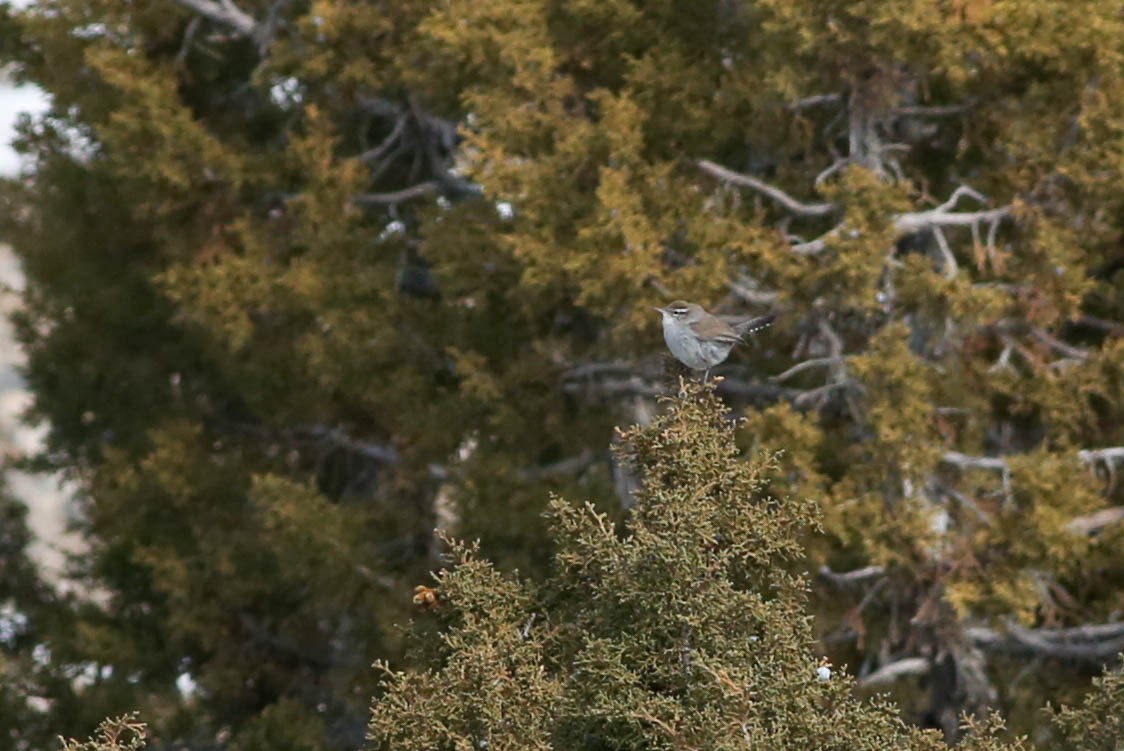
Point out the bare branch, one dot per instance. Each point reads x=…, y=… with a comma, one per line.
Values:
x=778, y=195
x=1110, y=327
x=1093, y=645
x=226, y=13
x=1058, y=345
x=943, y=490
x=746, y=289
x=950, y=265
x=851, y=578
x=398, y=196
x=1109, y=455
x=372, y=156
x=940, y=110
x=817, y=396
x=1090, y=524
x=893, y=671
x=963, y=461
x=814, y=101
x=915, y=221
x=813, y=247
x=834, y=167
x=800, y=367
x=961, y=192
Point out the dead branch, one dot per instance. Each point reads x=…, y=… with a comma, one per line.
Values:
x=893, y=671
x=1058, y=345
x=396, y=197
x=963, y=461
x=1109, y=327
x=929, y=110
x=374, y=155
x=1111, y=454
x=851, y=578
x=800, y=367
x=815, y=100
x=746, y=289
x=1091, y=524
x=1091, y=645
x=950, y=265
x=746, y=181
x=831, y=169
x=226, y=13
x=916, y=221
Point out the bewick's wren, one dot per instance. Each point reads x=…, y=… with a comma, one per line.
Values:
x=699, y=340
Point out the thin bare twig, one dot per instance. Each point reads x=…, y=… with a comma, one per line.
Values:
x=851, y=578
x=950, y=265
x=1058, y=345
x=930, y=110
x=224, y=12
x=1090, y=524
x=398, y=196
x=746, y=181
x=800, y=367
x=372, y=156
x=815, y=100
x=893, y=671
x=963, y=461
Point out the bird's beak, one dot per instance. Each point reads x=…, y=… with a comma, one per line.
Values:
x=658, y=310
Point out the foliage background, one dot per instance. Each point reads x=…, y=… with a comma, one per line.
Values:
x=309, y=279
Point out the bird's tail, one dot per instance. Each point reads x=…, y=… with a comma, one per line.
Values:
x=745, y=328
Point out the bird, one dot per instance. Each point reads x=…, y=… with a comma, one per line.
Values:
x=700, y=340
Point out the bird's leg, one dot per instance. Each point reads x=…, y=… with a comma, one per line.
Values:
x=706, y=375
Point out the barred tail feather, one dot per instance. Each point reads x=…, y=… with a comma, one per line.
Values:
x=755, y=324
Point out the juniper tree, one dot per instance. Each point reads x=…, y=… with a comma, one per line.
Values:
x=306, y=280
x=683, y=627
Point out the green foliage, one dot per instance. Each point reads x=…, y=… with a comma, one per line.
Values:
x=124, y=733
x=683, y=628
x=1096, y=725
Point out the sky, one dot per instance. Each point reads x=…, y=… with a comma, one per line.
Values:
x=13, y=101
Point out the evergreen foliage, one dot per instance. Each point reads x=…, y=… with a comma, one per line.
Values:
x=685, y=628
x=309, y=279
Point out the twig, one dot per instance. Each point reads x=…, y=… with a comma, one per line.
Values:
x=1057, y=344
x=963, y=461
x=851, y=578
x=1090, y=524
x=950, y=266
x=940, y=110
x=895, y=670
x=226, y=13
x=800, y=367
x=778, y=195
x=915, y=221
x=396, y=197
x=372, y=156
x=815, y=100
x=1111, y=327
x=834, y=167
